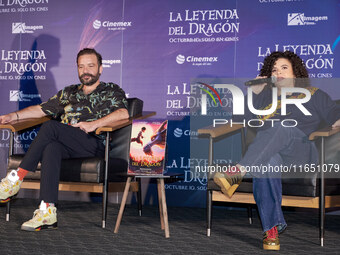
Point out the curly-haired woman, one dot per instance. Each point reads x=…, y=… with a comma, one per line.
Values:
x=277, y=144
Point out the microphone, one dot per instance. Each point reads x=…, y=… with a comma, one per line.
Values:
x=272, y=80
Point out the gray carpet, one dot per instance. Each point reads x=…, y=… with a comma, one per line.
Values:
x=79, y=232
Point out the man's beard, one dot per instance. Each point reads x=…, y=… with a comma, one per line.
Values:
x=93, y=79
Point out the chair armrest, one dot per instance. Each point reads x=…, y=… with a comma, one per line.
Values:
x=220, y=130
x=324, y=132
x=19, y=125
x=123, y=123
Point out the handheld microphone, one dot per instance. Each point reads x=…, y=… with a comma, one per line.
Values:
x=272, y=80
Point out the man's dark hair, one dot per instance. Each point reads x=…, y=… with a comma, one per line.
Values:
x=86, y=51
x=298, y=66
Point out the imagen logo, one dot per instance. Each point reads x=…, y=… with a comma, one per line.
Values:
x=295, y=19
x=18, y=28
x=14, y=95
x=107, y=63
x=299, y=19
x=19, y=96
x=21, y=28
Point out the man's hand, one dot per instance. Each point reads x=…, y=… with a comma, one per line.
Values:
x=118, y=115
x=336, y=124
x=87, y=127
x=33, y=111
x=7, y=118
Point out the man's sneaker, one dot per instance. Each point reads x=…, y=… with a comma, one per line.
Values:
x=228, y=181
x=271, y=240
x=43, y=218
x=9, y=186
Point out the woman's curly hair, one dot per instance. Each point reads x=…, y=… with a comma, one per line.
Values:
x=299, y=68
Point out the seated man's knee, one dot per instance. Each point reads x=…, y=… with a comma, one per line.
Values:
x=48, y=125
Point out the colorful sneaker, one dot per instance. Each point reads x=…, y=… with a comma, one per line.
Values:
x=43, y=218
x=271, y=240
x=9, y=186
x=228, y=181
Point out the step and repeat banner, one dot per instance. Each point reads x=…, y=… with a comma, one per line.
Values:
x=154, y=49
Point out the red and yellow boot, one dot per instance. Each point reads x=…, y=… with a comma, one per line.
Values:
x=271, y=240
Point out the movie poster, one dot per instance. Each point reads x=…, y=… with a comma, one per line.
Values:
x=147, y=148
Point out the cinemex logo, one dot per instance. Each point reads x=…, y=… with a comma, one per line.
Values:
x=180, y=59
x=21, y=28
x=299, y=19
x=119, y=25
x=19, y=96
x=97, y=24
x=196, y=61
x=178, y=132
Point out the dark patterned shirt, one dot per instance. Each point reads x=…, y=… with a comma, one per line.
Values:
x=73, y=106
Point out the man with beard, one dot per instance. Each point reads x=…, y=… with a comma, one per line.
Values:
x=82, y=109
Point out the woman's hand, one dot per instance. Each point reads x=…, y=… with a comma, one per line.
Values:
x=258, y=88
x=336, y=124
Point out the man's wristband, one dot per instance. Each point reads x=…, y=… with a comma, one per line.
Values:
x=17, y=115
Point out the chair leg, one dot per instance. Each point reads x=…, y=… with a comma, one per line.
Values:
x=104, y=212
x=8, y=208
x=322, y=224
x=322, y=193
x=209, y=211
x=209, y=192
x=139, y=196
x=250, y=214
x=106, y=182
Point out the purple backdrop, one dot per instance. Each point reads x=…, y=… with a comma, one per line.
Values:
x=153, y=49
